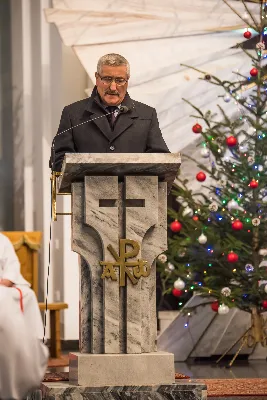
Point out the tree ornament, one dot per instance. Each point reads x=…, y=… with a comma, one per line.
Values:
x=223, y=309
x=205, y=152
x=247, y=34
x=184, y=204
x=227, y=98
x=213, y=207
x=197, y=128
x=254, y=184
x=179, y=284
x=256, y=222
x=222, y=182
x=226, y=291
x=263, y=252
x=201, y=177
x=263, y=264
x=232, y=257
x=232, y=205
x=251, y=160
x=202, y=239
x=215, y=306
x=249, y=268
x=237, y=225
x=260, y=168
x=179, y=199
x=171, y=267
x=260, y=46
x=254, y=72
x=188, y=212
x=231, y=141
x=177, y=292
x=195, y=218
x=176, y=226
x=162, y=258
x=264, y=304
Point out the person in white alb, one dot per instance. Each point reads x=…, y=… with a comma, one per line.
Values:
x=23, y=356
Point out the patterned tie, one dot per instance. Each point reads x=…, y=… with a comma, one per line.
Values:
x=112, y=117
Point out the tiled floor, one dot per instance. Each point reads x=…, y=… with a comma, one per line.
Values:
x=208, y=370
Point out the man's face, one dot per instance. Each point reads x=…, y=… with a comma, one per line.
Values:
x=112, y=93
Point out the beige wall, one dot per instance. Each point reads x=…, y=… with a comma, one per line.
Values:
x=74, y=77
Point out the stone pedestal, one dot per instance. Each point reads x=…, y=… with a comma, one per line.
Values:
x=112, y=369
x=181, y=390
x=119, y=227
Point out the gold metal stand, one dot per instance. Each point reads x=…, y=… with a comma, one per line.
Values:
x=53, y=179
x=257, y=333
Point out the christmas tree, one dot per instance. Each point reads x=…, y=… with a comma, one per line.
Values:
x=218, y=240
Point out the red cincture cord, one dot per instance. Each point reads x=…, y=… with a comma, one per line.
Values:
x=20, y=299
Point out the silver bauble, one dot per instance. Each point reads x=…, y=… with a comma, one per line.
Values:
x=227, y=98
x=213, y=207
x=187, y=212
x=205, y=152
x=162, y=258
x=202, y=239
x=226, y=291
x=171, y=267
x=223, y=309
x=256, y=222
x=263, y=264
x=251, y=160
x=179, y=284
x=179, y=199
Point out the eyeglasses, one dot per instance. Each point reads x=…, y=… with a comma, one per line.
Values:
x=107, y=80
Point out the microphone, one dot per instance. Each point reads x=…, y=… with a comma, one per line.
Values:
x=122, y=110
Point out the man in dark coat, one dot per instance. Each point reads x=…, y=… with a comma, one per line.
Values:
x=109, y=121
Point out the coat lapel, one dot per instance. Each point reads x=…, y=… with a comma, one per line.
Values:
x=98, y=114
x=124, y=120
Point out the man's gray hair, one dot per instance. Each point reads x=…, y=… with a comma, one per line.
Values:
x=113, y=60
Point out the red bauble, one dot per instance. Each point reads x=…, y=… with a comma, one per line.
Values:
x=253, y=184
x=232, y=257
x=237, y=225
x=177, y=292
x=201, y=177
x=254, y=72
x=195, y=218
x=247, y=35
x=197, y=128
x=231, y=141
x=176, y=226
x=215, y=306
x=264, y=304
